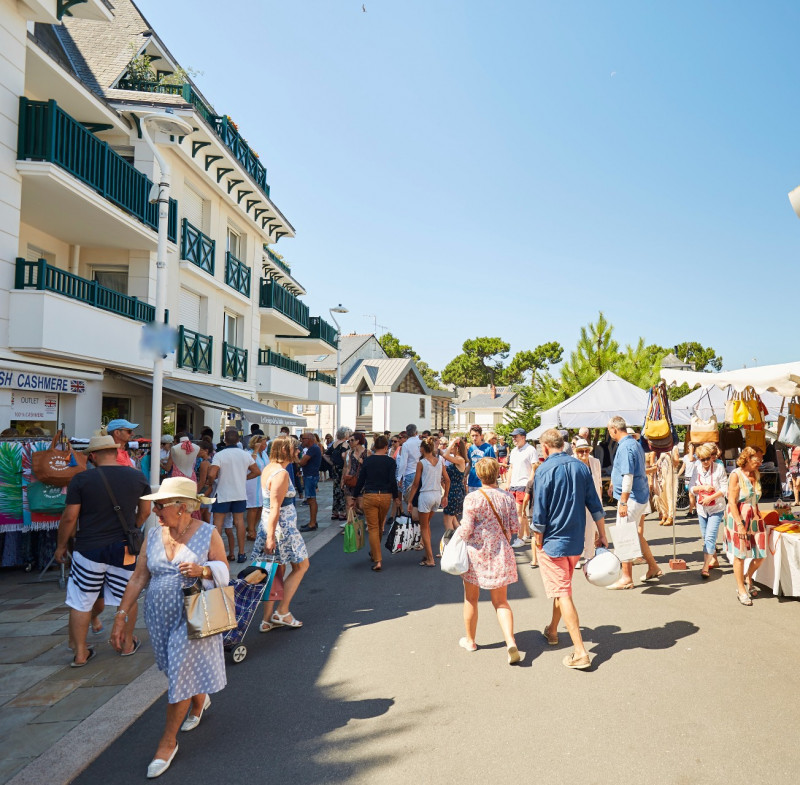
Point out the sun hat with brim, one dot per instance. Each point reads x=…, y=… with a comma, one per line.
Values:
x=177, y=488
x=582, y=444
x=97, y=443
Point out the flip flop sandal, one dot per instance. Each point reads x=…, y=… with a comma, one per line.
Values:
x=659, y=574
x=619, y=586
x=136, y=644
x=98, y=630
x=74, y=664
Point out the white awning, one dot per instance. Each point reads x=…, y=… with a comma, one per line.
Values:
x=217, y=398
x=783, y=379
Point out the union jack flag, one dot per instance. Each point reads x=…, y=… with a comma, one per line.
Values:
x=50, y=403
x=76, y=387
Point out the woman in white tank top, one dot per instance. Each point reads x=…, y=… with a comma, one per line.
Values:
x=429, y=479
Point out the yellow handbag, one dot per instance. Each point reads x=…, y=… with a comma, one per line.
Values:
x=746, y=409
x=656, y=429
x=755, y=437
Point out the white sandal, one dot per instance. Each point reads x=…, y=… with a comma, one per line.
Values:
x=265, y=626
x=278, y=618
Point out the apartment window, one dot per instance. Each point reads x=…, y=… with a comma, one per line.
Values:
x=233, y=331
x=365, y=404
x=498, y=418
x=34, y=253
x=195, y=208
x=469, y=417
x=115, y=408
x=189, y=305
x=235, y=243
x=112, y=277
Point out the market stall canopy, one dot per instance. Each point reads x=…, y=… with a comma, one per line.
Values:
x=783, y=379
x=218, y=398
x=592, y=407
x=712, y=399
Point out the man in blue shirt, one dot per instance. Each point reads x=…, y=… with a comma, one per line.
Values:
x=629, y=485
x=563, y=491
x=477, y=450
x=310, y=462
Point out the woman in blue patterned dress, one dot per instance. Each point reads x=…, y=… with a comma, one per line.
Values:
x=456, y=457
x=278, y=532
x=179, y=551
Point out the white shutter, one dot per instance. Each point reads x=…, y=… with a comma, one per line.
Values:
x=189, y=303
x=194, y=208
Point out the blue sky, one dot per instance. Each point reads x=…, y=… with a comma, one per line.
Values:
x=511, y=168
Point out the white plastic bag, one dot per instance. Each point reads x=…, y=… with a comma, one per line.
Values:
x=625, y=535
x=454, y=557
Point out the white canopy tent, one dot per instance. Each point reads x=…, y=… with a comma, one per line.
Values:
x=783, y=379
x=711, y=398
x=595, y=405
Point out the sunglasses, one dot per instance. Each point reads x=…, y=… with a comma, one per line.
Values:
x=706, y=460
x=158, y=506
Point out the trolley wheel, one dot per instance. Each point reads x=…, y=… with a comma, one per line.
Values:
x=682, y=498
x=239, y=653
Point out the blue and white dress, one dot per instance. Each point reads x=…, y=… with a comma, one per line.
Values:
x=289, y=545
x=192, y=667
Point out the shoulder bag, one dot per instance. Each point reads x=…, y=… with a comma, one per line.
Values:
x=209, y=611
x=46, y=498
x=702, y=431
x=506, y=534
x=789, y=433
x=134, y=536
x=455, y=559
x=57, y=467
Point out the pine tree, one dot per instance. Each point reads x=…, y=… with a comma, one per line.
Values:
x=596, y=353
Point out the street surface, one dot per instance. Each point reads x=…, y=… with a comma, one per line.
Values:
x=687, y=686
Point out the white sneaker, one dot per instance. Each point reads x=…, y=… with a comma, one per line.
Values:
x=517, y=543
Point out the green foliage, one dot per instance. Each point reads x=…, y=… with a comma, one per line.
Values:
x=703, y=358
x=393, y=348
x=640, y=364
x=596, y=353
x=140, y=68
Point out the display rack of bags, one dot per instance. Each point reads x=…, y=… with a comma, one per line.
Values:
x=657, y=427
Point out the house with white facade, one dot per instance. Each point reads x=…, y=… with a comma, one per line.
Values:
x=484, y=406
x=78, y=238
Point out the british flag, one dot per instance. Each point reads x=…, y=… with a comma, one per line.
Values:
x=76, y=386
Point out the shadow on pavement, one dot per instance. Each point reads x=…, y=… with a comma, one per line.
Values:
x=611, y=640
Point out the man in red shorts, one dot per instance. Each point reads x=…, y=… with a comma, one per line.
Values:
x=563, y=490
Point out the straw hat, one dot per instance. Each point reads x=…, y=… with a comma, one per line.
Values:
x=177, y=488
x=97, y=443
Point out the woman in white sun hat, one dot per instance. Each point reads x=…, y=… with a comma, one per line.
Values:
x=178, y=552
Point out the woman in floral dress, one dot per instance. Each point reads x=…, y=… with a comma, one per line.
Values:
x=487, y=527
x=278, y=533
x=744, y=529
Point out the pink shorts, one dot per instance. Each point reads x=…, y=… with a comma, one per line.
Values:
x=556, y=572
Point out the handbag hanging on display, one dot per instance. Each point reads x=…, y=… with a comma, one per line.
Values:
x=790, y=432
x=57, y=467
x=702, y=431
x=209, y=611
x=46, y=498
x=657, y=427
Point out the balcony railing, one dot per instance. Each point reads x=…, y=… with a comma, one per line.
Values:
x=322, y=330
x=197, y=248
x=277, y=262
x=48, y=133
x=273, y=295
x=44, y=277
x=268, y=357
x=319, y=376
x=241, y=151
x=237, y=274
x=234, y=362
x=150, y=87
x=194, y=350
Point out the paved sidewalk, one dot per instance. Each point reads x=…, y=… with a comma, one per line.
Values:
x=44, y=702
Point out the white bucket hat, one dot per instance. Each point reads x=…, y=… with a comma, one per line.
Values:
x=178, y=488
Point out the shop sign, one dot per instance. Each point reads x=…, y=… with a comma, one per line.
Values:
x=40, y=383
x=28, y=406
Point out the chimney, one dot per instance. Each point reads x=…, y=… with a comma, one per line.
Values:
x=493, y=390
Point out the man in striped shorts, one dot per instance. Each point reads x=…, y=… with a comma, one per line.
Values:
x=101, y=563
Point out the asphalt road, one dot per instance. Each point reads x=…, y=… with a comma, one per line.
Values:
x=687, y=686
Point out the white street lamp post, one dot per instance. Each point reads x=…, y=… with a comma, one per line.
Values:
x=169, y=124
x=338, y=418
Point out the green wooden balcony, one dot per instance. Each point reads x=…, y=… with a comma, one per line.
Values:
x=276, y=360
x=194, y=350
x=197, y=248
x=277, y=262
x=48, y=133
x=242, y=151
x=234, y=362
x=237, y=274
x=44, y=277
x=273, y=295
x=322, y=330
x=319, y=376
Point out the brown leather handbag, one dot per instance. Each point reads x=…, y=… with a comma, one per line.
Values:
x=57, y=466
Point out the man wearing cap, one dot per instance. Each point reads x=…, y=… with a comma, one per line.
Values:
x=521, y=463
x=563, y=492
x=121, y=431
x=100, y=560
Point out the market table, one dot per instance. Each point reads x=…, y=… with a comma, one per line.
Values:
x=780, y=570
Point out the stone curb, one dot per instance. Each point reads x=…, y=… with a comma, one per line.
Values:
x=71, y=754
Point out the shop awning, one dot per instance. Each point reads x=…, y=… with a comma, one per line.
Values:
x=783, y=379
x=217, y=398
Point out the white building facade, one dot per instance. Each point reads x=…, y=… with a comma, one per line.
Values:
x=78, y=240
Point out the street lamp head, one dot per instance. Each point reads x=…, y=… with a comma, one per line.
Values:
x=339, y=309
x=167, y=123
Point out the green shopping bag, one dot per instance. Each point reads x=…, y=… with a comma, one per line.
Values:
x=353, y=533
x=46, y=498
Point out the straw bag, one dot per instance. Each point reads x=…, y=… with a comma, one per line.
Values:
x=57, y=467
x=209, y=611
